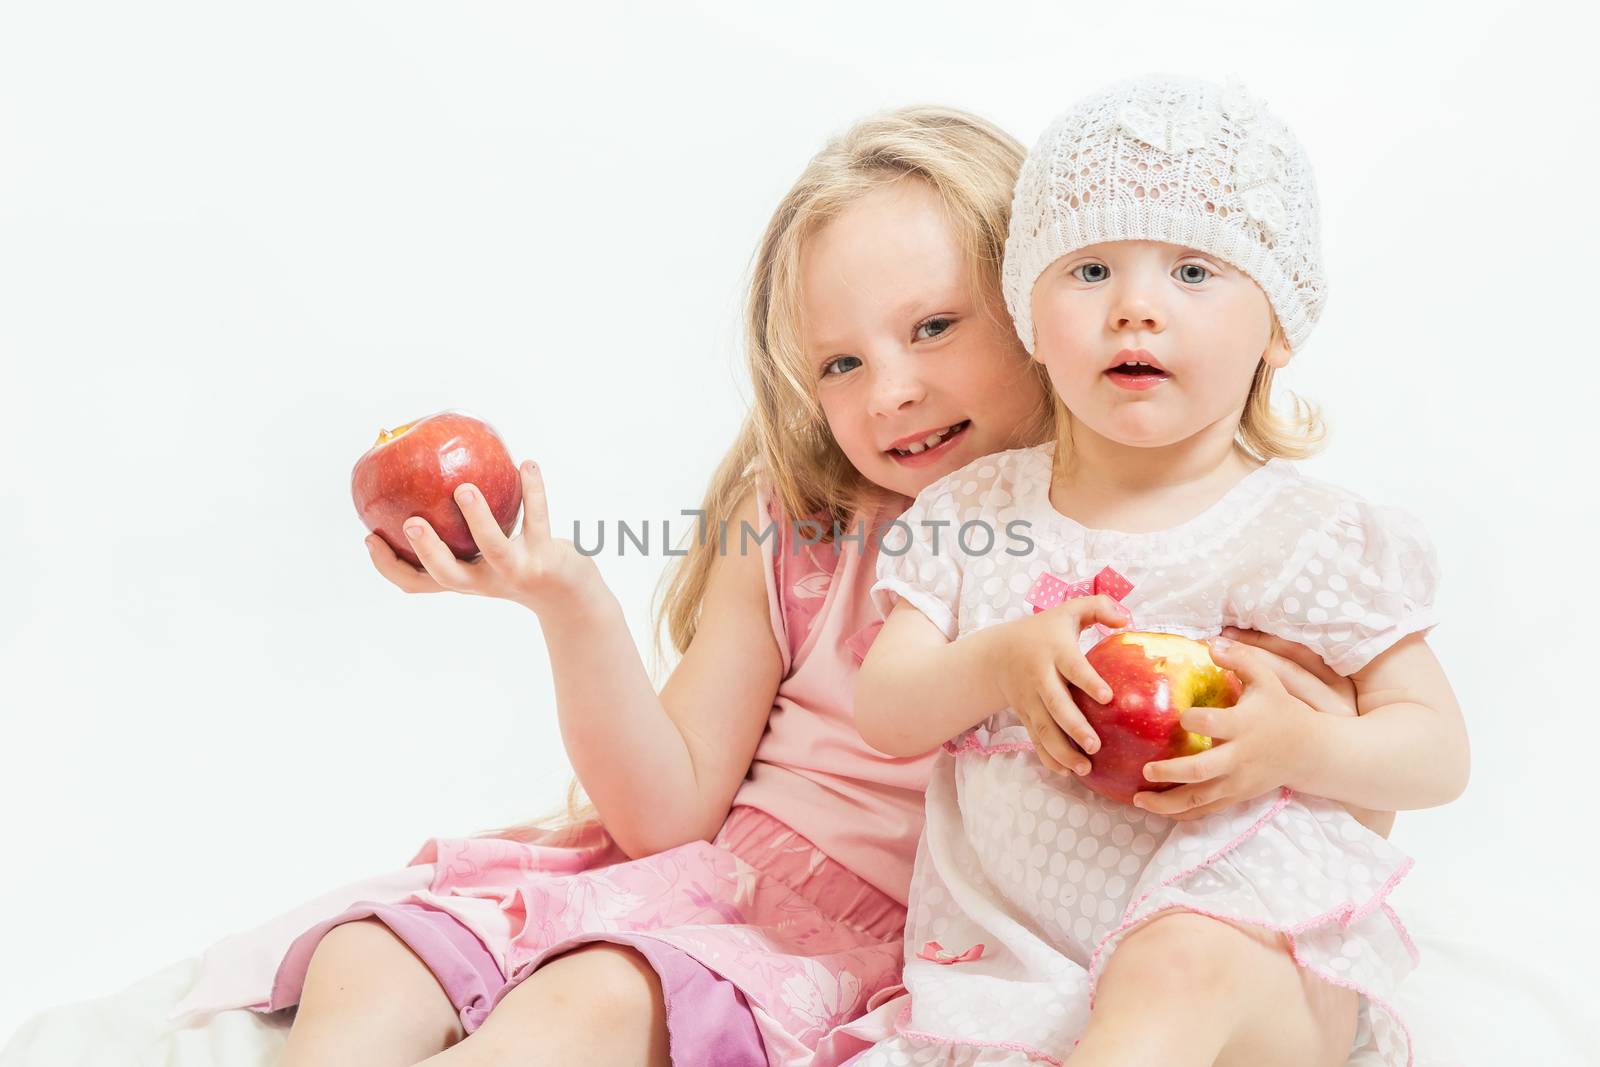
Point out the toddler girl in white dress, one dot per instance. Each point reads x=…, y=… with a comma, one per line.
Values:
x=1163, y=261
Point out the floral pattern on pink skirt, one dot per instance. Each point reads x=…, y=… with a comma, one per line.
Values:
x=808, y=943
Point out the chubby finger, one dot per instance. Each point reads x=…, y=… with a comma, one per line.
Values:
x=1205, y=809
x=485, y=528
x=1064, y=711
x=535, y=508
x=1200, y=767
x=1100, y=608
x=1053, y=748
x=437, y=559
x=1072, y=666
x=1251, y=664
x=1219, y=723
x=396, y=570
x=1052, y=745
x=1174, y=802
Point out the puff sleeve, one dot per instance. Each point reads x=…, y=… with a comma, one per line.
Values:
x=1353, y=587
x=917, y=560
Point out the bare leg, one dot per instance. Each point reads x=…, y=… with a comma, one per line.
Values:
x=1185, y=990
x=368, y=1001
x=601, y=1003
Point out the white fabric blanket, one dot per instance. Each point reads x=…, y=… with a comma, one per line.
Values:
x=1467, y=1004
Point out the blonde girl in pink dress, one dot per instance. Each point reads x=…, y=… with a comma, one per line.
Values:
x=740, y=889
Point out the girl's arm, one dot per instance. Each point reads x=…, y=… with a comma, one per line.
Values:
x=662, y=769
x=1408, y=746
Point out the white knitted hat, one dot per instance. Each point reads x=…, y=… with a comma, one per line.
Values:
x=1176, y=160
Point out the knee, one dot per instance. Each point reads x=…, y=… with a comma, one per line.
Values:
x=607, y=985
x=363, y=947
x=1185, y=954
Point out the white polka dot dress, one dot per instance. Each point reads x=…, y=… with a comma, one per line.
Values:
x=1025, y=881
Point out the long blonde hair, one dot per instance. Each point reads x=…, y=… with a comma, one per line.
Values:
x=972, y=165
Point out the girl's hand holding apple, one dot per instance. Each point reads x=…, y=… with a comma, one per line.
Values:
x=532, y=568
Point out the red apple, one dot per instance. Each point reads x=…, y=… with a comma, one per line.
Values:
x=414, y=470
x=1153, y=677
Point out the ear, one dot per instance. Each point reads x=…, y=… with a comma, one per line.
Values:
x=1278, y=353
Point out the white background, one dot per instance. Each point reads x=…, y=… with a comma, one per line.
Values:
x=235, y=242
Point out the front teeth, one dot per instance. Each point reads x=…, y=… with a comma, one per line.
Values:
x=931, y=440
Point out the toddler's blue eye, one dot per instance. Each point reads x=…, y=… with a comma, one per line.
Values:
x=1193, y=273
x=841, y=365
x=942, y=323
x=1091, y=272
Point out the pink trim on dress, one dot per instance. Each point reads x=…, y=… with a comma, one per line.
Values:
x=967, y=1042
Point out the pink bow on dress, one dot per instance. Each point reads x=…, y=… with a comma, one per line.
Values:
x=934, y=952
x=1048, y=591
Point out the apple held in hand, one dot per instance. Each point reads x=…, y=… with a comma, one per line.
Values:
x=414, y=470
x=1154, y=678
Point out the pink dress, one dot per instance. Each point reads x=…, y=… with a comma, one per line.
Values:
x=798, y=903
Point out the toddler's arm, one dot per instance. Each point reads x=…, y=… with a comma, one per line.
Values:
x=917, y=690
x=1407, y=748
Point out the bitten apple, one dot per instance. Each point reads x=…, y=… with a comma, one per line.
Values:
x=414, y=470
x=1154, y=678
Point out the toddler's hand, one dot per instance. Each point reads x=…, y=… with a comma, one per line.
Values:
x=1261, y=742
x=1033, y=666
x=532, y=569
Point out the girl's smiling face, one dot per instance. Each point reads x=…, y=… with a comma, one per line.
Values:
x=915, y=375
x=1201, y=325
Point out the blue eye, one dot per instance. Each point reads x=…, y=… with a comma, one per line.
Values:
x=1100, y=270
x=840, y=365
x=1192, y=273
x=940, y=321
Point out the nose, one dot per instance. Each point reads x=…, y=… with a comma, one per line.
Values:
x=895, y=385
x=1135, y=309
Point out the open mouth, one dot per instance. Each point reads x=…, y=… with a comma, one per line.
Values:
x=1137, y=375
x=934, y=442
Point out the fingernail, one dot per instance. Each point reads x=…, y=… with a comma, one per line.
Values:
x=1221, y=643
x=1091, y=746
x=413, y=532
x=466, y=493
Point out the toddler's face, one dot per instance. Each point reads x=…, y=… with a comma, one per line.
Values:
x=915, y=377
x=1201, y=324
